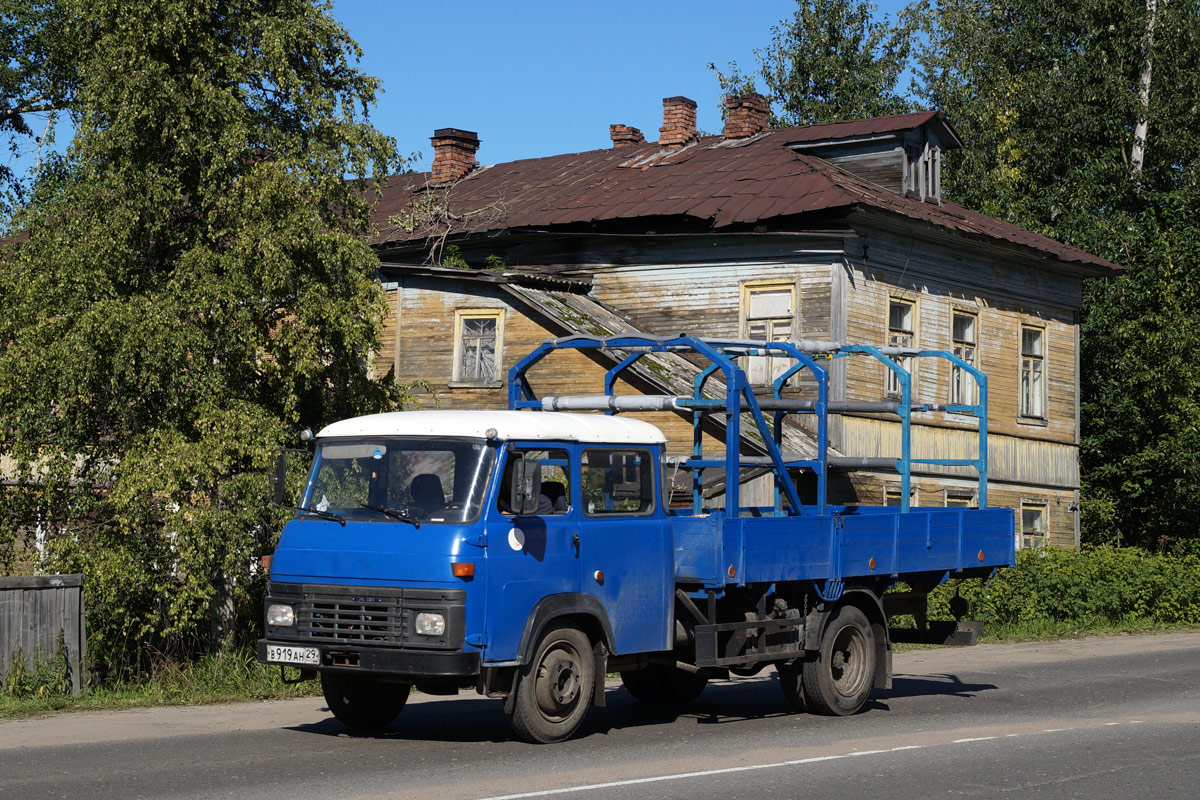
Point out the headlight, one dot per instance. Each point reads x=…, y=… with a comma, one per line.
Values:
x=431, y=624
x=280, y=615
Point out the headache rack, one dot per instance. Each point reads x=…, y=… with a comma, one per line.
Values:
x=723, y=355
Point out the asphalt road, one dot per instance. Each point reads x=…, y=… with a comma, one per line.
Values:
x=1096, y=718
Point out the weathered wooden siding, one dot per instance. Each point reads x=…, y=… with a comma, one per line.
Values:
x=420, y=333
x=939, y=283
x=881, y=164
x=1010, y=458
x=34, y=611
x=705, y=299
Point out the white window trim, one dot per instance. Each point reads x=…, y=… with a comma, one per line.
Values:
x=745, y=290
x=497, y=378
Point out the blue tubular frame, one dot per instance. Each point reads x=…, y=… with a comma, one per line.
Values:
x=739, y=398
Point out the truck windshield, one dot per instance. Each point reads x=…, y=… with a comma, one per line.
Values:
x=426, y=480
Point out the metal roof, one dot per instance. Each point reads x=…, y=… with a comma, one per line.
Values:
x=716, y=182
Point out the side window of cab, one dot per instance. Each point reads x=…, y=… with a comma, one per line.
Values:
x=556, y=483
x=617, y=482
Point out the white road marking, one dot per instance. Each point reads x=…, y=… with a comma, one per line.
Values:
x=748, y=768
x=659, y=778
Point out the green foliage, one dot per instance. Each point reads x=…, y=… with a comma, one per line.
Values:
x=1092, y=586
x=37, y=77
x=195, y=286
x=1047, y=99
x=48, y=675
x=831, y=61
x=229, y=676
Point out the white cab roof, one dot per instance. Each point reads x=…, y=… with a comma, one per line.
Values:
x=527, y=425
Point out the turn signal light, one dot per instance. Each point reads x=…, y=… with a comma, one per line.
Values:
x=463, y=569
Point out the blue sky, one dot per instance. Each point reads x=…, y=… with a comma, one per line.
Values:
x=543, y=77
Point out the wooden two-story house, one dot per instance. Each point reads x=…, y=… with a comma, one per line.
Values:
x=834, y=232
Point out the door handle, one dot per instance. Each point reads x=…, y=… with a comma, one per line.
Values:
x=575, y=543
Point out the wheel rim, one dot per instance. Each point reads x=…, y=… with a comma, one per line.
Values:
x=558, y=682
x=848, y=662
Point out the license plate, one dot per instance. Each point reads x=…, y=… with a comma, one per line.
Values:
x=280, y=654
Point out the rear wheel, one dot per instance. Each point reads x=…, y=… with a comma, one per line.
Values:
x=660, y=685
x=555, y=688
x=838, y=681
x=363, y=702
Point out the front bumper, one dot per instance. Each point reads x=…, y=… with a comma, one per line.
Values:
x=392, y=661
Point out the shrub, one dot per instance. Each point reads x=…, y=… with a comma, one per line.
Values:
x=1091, y=585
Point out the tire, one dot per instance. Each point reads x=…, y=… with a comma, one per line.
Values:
x=791, y=681
x=660, y=685
x=363, y=702
x=554, y=690
x=838, y=681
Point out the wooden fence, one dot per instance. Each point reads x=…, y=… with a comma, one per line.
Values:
x=33, y=611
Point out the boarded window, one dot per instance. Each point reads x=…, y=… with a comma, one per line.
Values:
x=962, y=383
x=901, y=333
x=478, y=345
x=768, y=314
x=1033, y=372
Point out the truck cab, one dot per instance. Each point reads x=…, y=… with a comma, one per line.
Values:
x=437, y=547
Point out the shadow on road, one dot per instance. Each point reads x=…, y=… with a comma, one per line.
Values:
x=930, y=685
x=475, y=719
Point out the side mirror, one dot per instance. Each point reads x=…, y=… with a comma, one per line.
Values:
x=279, y=479
x=526, y=486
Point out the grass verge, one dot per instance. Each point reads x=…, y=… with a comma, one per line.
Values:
x=231, y=677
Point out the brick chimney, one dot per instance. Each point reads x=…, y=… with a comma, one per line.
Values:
x=453, y=154
x=625, y=136
x=745, y=115
x=679, y=122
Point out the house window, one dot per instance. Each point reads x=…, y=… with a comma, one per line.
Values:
x=1033, y=525
x=901, y=333
x=924, y=176
x=768, y=314
x=962, y=383
x=478, y=345
x=891, y=497
x=955, y=500
x=1033, y=372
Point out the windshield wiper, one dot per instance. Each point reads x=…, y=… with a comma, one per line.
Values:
x=323, y=514
x=393, y=513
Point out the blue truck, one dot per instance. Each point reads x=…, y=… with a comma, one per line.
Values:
x=532, y=551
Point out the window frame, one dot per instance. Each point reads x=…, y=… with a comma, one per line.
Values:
x=1040, y=414
x=755, y=364
x=649, y=463
x=963, y=391
x=461, y=315
x=891, y=382
x=1029, y=539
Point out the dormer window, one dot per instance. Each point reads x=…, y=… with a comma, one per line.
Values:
x=923, y=171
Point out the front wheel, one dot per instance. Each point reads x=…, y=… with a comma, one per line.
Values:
x=555, y=688
x=363, y=702
x=838, y=681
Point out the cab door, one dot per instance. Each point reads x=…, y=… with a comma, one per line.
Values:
x=625, y=545
x=530, y=556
